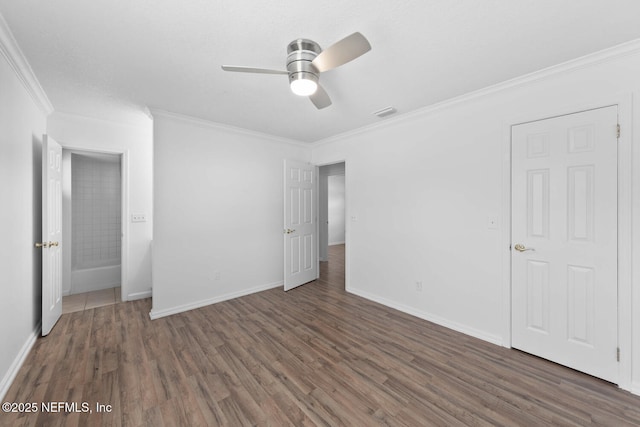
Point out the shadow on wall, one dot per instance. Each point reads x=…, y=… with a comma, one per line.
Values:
x=36, y=279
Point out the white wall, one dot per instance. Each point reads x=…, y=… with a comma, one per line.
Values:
x=336, y=209
x=91, y=134
x=430, y=223
x=22, y=124
x=218, y=212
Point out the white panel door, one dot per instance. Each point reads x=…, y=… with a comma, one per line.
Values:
x=564, y=240
x=300, y=223
x=51, y=233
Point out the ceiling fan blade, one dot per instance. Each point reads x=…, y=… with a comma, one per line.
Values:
x=320, y=98
x=242, y=69
x=341, y=52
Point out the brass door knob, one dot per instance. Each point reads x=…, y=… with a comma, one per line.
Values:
x=521, y=248
x=289, y=231
x=42, y=245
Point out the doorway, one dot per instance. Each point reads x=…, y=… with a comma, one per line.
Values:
x=564, y=256
x=332, y=223
x=92, y=216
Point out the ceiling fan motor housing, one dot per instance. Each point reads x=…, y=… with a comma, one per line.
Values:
x=300, y=54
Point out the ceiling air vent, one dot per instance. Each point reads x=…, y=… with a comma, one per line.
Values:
x=385, y=112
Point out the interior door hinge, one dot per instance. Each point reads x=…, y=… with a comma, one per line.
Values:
x=618, y=354
x=617, y=131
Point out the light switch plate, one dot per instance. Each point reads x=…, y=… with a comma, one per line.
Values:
x=139, y=217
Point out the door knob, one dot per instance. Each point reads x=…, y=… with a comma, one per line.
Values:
x=289, y=231
x=42, y=245
x=54, y=244
x=521, y=248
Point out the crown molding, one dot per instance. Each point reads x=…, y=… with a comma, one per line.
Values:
x=605, y=55
x=62, y=115
x=16, y=59
x=227, y=128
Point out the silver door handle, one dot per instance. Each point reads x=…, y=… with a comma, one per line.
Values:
x=521, y=248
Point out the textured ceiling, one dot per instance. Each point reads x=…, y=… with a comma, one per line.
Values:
x=113, y=58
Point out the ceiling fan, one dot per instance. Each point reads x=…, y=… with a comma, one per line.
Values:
x=306, y=60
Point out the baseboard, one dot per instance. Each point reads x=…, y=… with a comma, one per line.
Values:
x=494, y=339
x=336, y=243
x=635, y=388
x=156, y=314
x=139, y=295
x=18, y=362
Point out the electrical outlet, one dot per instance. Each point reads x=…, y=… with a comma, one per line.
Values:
x=419, y=286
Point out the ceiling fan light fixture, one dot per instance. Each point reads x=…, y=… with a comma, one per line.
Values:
x=306, y=60
x=303, y=84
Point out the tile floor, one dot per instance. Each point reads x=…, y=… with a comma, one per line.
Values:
x=79, y=302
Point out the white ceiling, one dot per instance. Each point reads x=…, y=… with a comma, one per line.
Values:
x=113, y=58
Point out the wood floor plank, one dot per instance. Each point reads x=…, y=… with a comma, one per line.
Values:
x=315, y=355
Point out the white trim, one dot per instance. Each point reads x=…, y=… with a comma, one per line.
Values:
x=125, y=244
x=342, y=173
x=15, y=58
x=625, y=242
x=615, y=52
x=110, y=122
x=138, y=295
x=625, y=265
x=316, y=198
x=10, y=376
x=348, y=243
x=505, y=235
x=632, y=135
x=494, y=339
x=228, y=128
x=347, y=218
x=156, y=314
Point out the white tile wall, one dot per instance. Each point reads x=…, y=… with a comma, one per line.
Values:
x=95, y=210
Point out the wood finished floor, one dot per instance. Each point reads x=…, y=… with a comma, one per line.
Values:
x=313, y=356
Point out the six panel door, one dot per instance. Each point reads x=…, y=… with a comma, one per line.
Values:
x=51, y=233
x=300, y=224
x=564, y=240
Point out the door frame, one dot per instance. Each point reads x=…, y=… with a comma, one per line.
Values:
x=625, y=174
x=320, y=203
x=124, y=182
x=347, y=221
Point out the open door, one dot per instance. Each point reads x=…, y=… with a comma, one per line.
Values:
x=51, y=233
x=300, y=223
